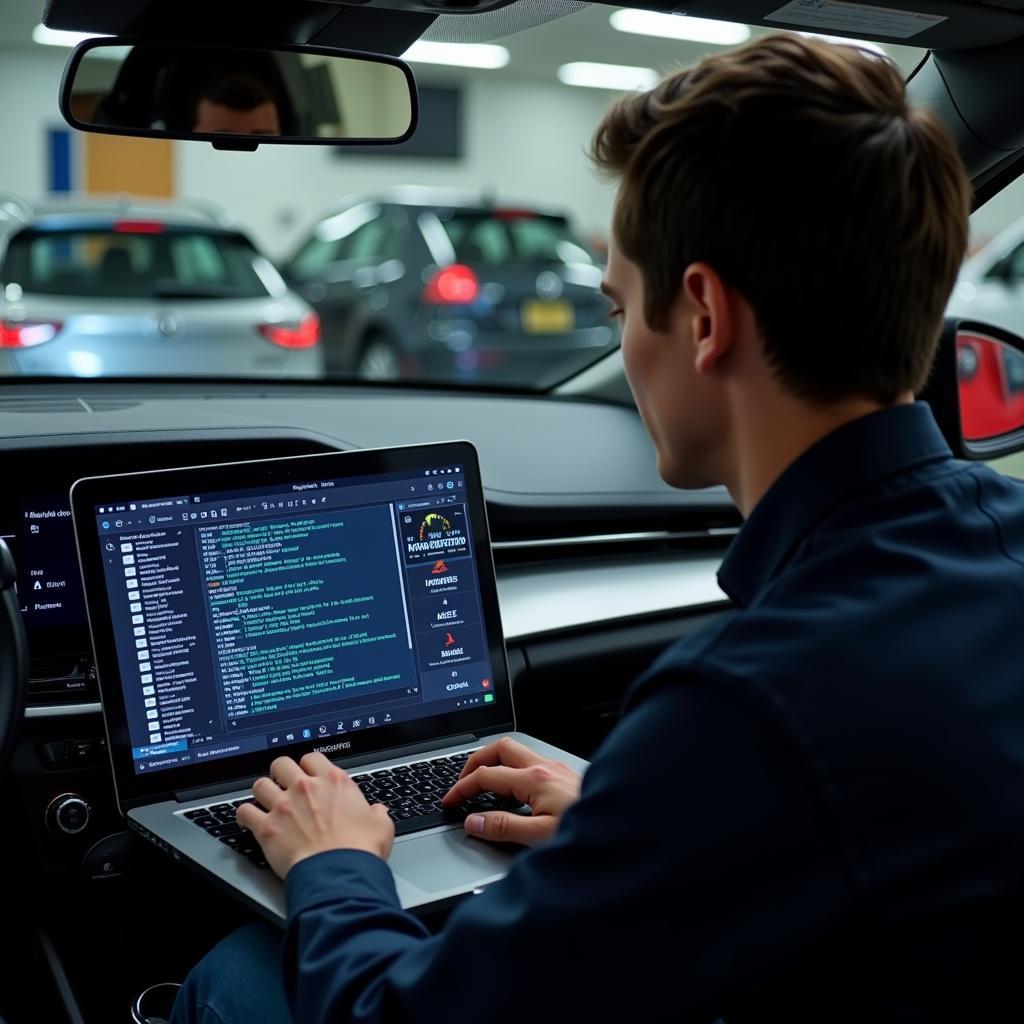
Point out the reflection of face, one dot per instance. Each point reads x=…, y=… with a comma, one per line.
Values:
x=217, y=117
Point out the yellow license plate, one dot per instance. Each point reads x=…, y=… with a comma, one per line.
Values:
x=546, y=317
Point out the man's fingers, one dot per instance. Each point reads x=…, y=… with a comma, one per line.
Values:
x=505, y=827
x=249, y=816
x=501, y=780
x=267, y=793
x=315, y=763
x=284, y=771
x=505, y=751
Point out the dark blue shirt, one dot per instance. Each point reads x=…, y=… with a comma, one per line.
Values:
x=812, y=811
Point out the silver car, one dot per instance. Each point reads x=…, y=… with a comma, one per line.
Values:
x=91, y=289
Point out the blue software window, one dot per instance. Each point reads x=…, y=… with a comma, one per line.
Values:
x=247, y=620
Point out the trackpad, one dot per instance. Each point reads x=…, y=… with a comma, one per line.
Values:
x=449, y=861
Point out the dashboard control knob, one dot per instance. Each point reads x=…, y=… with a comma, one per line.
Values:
x=68, y=814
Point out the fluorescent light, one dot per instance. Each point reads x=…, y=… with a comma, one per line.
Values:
x=863, y=44
x=57, y=37
x=680, y=26
x=620, y=77
x=460, y=55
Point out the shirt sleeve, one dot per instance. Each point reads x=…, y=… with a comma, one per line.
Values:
x=696, y=867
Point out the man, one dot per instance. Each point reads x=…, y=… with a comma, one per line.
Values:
x=814, y=810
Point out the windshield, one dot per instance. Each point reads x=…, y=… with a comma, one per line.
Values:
x=471, y=254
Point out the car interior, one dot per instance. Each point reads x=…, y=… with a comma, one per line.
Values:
x=600, y=565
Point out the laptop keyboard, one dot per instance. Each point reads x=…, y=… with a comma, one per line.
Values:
x=412, y=793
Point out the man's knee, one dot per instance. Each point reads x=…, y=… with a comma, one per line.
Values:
x=238, y=980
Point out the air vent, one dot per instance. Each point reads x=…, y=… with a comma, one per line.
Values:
x=62, y=404
x=590, y=546
x=61, y=679
x=587, y=533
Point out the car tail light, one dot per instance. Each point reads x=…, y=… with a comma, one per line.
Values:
x=306, y=335
x=27, y=333
x=138, y=227
x=455, y=285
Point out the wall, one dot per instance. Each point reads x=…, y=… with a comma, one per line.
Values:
x=998, y=212
x=29, y=85
x=523, y=141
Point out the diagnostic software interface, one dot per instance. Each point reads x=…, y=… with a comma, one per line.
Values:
x=246, y=620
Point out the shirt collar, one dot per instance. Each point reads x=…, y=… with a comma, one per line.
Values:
x=831, y=471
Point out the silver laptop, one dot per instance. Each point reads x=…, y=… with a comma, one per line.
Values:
x=341, y=602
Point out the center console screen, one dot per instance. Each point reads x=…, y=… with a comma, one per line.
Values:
x=43, y=544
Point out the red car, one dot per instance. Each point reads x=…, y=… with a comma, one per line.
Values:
x=991, y=387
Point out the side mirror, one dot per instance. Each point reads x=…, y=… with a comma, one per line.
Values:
x=238, y=97
x=976, y=389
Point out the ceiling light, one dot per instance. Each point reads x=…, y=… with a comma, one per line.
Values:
x=460, y=55
x=863, y=44
x=57, y=37
x=620, y=77
x=680, y=26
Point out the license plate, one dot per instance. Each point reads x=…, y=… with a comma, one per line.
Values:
x=544, y=317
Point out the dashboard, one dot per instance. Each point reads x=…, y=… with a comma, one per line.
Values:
x=584, y=530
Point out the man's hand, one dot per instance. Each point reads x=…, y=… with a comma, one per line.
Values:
x=311, y=807
x=508, y=768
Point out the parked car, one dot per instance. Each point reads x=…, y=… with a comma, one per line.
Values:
x=426, y=283
x=990, y=287
x=120, y=288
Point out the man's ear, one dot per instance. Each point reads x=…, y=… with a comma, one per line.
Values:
x=712, y=320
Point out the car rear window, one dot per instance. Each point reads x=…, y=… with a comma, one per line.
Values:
x=500, y=238
x=146, y=261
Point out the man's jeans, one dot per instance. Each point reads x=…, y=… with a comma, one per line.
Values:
x=237, y=982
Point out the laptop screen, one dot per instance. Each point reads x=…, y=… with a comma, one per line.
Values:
x=302, y=610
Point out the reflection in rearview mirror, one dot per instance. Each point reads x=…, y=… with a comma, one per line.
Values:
x=990, y=377
x=252, y=95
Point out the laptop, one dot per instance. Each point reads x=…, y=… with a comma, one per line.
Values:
x=343, y=602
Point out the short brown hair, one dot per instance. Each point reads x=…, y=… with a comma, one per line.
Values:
x=797, y=169
x=237, y=91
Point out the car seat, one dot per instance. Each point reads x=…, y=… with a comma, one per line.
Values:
x=116, y=272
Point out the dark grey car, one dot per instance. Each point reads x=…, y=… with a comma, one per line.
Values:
x=422, y=283
x=115, y=289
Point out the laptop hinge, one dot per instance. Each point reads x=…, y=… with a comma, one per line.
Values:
x=412, y=748
x=229, y=785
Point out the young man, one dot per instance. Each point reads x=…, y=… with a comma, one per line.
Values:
x=813, y=811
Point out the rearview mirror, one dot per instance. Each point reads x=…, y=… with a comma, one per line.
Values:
x=238, y=97
x=976, y=390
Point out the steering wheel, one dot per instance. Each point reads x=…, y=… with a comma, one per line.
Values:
x=13, y=659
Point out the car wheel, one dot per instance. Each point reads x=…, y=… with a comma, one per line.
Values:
x=379, y=360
